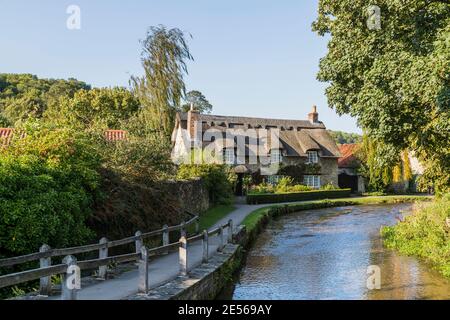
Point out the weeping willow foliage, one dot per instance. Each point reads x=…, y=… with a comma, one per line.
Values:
x=397, y=173
x=161, y=88
x=378, y=163
x=407, y=172
x=382, y=165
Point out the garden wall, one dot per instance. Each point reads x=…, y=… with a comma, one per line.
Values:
x=192, y=194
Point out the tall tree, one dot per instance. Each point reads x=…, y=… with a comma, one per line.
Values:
x=103, y=108
x=342, y=137
x=394, y=79
x=161, y=88
x=25, y=95
x=198, y=100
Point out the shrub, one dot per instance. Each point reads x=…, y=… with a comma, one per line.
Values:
x=139, y=159
x=424, y=233
x=262, y=188
x=297, y=196
x=284, y=185
x=374, y=194
x=218, y=178
x=329, y=186
x=48, y=180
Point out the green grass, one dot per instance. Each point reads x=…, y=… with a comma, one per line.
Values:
x=214, y=214
x=252, y=220
x=424, y=234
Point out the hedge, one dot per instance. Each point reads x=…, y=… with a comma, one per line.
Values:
x=297, y=196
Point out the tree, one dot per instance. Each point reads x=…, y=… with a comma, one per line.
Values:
x=394, y=80
x=104, y=108
x=200, y=103
x=4, y=122
x=377, y=162
x=344, y=137
x=25, y=95
x=161, y=88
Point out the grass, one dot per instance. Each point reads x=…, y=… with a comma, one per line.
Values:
x=424, y=234
x=252, y=220
x=214, y=214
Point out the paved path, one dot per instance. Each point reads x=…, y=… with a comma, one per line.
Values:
x=165, y=268
x=161, y=269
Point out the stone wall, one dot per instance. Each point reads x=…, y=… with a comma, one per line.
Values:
x=328, y=171
x=205, y=282
x=192, y=194
x=328, y=168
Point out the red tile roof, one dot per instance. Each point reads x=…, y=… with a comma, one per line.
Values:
x=110, y=135
x=5, y=136
x=116, y=135
x=348, y=158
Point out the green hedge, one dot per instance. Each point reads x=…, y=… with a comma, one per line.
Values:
x=297, y=196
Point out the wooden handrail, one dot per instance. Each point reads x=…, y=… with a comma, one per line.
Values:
x=48, y=271
x=7, y=262
x=24, y=276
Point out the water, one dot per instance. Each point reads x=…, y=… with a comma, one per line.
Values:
x=324, y=254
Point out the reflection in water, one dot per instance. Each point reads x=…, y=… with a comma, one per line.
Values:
x=324, y=254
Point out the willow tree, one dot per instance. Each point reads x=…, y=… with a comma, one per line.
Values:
x=393, y=76
x=161, y=88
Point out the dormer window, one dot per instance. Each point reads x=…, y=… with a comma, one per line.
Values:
x=229, y=157
x=313, y=157
x=276, y=156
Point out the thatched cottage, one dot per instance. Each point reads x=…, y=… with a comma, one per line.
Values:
x=301, y=143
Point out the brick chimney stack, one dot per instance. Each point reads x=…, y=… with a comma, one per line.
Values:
x=191, y=119
x=313, y=116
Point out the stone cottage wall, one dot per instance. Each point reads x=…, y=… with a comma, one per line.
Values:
x=192, y=194
x=329, y=171
x=328, y=168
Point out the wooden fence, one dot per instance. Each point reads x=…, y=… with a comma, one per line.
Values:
x=141, y=255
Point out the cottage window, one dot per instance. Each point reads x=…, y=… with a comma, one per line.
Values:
x=312, y=181
x=229, y=156
x=273, y=180
x=313, y=157
x=275, y=156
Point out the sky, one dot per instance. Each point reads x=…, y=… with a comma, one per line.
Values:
x=252, y=58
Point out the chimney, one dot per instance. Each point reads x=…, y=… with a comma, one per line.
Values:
x=313, y=116
x=191, y=119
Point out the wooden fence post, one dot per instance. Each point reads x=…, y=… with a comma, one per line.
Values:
x=197, y=225
x=45, y=283
x=143, y=271
x=221, y=239
x=103, y=253
x=205, y=246
x=230, y=231
x=70, y=279
x=183, y=229
x=183, y=256
x=138, y=241
x=165, y=237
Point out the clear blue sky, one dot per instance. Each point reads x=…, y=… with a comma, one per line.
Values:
x=252, y=58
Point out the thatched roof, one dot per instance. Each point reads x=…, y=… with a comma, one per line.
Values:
x=296, y=136
x=250, y=122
